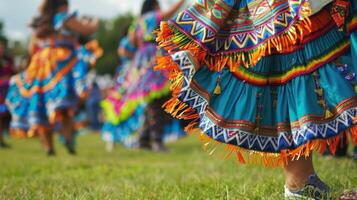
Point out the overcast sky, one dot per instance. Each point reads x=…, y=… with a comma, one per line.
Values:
x=17, y=13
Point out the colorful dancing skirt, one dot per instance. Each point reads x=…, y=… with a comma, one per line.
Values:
x=54, y=80
x=137, y=84
x=124, y=107
x=272, y=80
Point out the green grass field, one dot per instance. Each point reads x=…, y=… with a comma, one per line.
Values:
x=187, y=172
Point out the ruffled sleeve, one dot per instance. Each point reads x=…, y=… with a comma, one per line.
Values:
x=60, y=18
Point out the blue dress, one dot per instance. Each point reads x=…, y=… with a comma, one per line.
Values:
x=115, y=130
x=124, y=110
x=54, y=80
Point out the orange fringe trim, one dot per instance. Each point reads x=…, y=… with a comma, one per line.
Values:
x=242, y=156
x=171, y=39
x=245, y=156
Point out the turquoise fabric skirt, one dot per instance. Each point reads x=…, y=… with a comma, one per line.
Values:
x=291, y=100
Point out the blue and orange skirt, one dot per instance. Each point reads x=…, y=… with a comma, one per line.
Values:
x=54, y=80
x=270, y=81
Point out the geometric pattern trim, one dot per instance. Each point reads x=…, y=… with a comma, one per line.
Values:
x=248, y=140
x=206, y=22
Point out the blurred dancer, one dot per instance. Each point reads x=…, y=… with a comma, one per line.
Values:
x=48, y=91
x=122, y=112
x=152, y=83
x=7, y=69
x=138, y=85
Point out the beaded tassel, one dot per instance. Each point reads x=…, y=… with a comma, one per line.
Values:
x=218, y=89
x=328, y=114
x=320, y=92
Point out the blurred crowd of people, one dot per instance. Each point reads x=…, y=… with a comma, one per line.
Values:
x=57, y=91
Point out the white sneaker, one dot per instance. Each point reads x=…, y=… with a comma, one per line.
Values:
x=314, y=189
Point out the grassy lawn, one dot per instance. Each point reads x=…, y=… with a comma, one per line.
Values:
x=185, y=173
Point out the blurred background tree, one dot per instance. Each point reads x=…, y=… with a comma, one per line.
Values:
x=109, y=34
x=16, y=48
x=2, y=32
x=1, y=28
